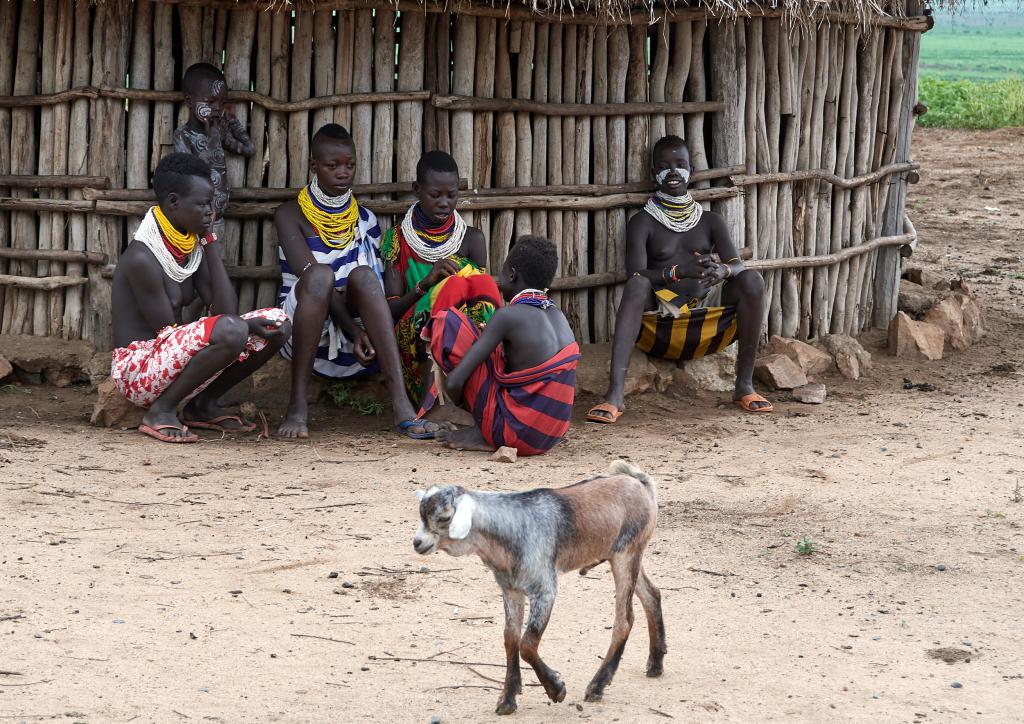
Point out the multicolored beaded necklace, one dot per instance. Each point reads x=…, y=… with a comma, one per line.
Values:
x=179, y=244
x=678, y=213
x=334, y=218
x=534, y=297
x=432, y=243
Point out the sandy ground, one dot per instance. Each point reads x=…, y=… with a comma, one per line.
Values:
x=174, y=584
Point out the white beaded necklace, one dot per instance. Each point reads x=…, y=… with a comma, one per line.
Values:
x=674, y=222
x=433, y=252
x=331, y=202
x=149, y=234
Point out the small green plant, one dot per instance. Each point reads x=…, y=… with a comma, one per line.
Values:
x=995, y=514
x=341, y=395
x=805, y=546
x=1017, y=496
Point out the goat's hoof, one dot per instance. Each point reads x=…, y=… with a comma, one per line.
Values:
x=505, y=706
x=593, y=695
x=654, y=669
x=557, y=691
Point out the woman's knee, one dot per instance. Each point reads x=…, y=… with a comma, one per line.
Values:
x=316, y=282
x=638, y=287
x=363, y=277
x=750, y=282
x=231, y=331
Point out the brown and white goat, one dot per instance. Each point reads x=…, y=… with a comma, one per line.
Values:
x=528, y=538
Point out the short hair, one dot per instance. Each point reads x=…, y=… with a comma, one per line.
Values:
x=174, y=171
x=331, y=133
x=536, y=259
x=668, y=142
x=436, y=161
x=200, y=73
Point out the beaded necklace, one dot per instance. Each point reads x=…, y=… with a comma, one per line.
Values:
x=152, y=235
x=534, y=297
x=678, y=213
x=179, y=244
x=432, y=244
x=334, y=218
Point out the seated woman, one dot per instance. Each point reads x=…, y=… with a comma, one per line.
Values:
x=434, y=261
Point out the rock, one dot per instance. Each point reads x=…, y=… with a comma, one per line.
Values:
x=504, y=454
x=61, y=376
x=959, y=285
x=927, y=279
x=813, y=393
x=5, y=367
x=851, y=359
x=811, y=360
x=664, y=369
x=595, y=366
x=112, y=410
x=915, y=300
x=915, y=340
x=38, y=354
x=714, y=373
x=780, y=372
x=971, y=313
x=948, y=315
x=98, y=368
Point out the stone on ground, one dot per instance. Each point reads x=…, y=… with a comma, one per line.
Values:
x=714, y=373
x=112, y=410
x=504, y=454
x=948, y=316
x=851, y=359
x=808, y=358
x=5, y=367
x=915, y=340
x=927, y=279
x=595, y=366
x=973, y=327
x=915, y=300
x=780, y=372
x=813, y=393
x=37, y=357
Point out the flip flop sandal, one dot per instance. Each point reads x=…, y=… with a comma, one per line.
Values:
x=407, y=425
x=154, y=432
x=612, y=416
x=746, y=401
x=214, y=424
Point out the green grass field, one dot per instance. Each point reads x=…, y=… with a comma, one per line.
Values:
x=972, y=68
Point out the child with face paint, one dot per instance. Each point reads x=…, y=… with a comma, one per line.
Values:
x=211, y=128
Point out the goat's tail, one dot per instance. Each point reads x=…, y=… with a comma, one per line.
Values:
x=621, y=467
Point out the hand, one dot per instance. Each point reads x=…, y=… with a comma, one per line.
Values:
x=267, y=329
x=364, y=351
x=443, y=268
x=712, y=271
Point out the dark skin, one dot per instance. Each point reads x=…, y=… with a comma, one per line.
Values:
x=438, y=196
x=334, y=163
x=530, y=336
x=652, y=249
x=145, y=301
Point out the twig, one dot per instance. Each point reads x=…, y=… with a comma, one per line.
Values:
x=353, y=460
x=442, y=653
x=435, y=661
x=30, y=683
x=496, y=681
x=180, y=714
x=10, y=673
x=184, y=476
x=463, y=686
x=471, y=618
x=334, y=505
x=14, y=617
x=323, y=638
x=711, y=573
x=660, y=713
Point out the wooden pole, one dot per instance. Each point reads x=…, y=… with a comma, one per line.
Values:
x=492, y=60
x=658, y=80
x=410, y=77
x=8, y=35
x=554, y=151
x=324, y=65
x=461, y=122
x=599, y=133
x=584, y=93
x=698, y=93
x=524, y=131
x=253, y=231
x=506, y=145
x=362, y=82
x=301, y=55
x=277, y=141
x=618, y=64
x=539, y=168
x=48, y=31
x=344, y=64
x=383, y=113
x=678, y=73
x=727, y=143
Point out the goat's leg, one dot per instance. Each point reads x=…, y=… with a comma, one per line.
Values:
x=650, y=598
x=514, y=603
x=541, y=602
x=625, y=569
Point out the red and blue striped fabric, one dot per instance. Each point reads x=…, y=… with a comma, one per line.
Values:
x=529, y=409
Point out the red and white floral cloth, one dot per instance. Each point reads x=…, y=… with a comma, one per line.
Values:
x=144, y=369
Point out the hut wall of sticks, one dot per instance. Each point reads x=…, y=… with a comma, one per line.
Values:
x=799, y=119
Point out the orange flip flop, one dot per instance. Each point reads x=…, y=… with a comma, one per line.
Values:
x=154, y=432
x=612, y=413
x=746, y=401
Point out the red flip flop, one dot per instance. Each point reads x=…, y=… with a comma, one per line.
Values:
x=214, y=424
x=154, y=432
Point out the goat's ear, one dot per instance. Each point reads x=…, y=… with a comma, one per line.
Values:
x=462, y=521
x=420, y=494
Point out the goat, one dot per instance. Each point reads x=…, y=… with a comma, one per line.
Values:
x=528, y=538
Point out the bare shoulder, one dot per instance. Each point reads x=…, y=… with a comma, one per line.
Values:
x=287, y=216
x=639, y=222
x=714, y=220
x=474, y=246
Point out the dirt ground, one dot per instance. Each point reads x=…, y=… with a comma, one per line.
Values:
x=146, y=582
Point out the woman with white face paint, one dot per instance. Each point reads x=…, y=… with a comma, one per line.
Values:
x=676, y=253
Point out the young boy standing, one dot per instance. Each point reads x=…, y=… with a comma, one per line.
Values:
x=434, y=260
x=518, y=376
x=158, y=362
x=211, y=128
x=331, y=286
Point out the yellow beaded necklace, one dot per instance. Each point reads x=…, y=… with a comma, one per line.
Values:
x=184, y=244
x=337, y=229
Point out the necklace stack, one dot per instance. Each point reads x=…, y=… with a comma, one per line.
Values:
x=432, y=244
x=533, y=297
x=678, y=213
x=169, y=245
x=334, y=218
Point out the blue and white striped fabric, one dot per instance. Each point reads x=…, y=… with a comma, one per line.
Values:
x=334, y=355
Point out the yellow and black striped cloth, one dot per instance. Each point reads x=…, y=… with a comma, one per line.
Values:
x=682, y=329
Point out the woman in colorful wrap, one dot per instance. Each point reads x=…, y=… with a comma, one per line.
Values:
x=434, y=261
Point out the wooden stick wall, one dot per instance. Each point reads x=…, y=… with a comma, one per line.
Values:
x=780, y=122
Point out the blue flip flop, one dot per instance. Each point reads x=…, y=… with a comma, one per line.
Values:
x=405, y=426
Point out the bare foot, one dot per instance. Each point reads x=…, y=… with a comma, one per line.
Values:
x=450, y=416
x=467, y=438
x=294, y=426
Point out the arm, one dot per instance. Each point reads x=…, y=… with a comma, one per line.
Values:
x=492, y=336
x=237, y=139
x=637, y=233
x=213, y=284
x=475, y=247
x=716, y=271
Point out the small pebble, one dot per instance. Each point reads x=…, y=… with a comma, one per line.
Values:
x=957, y=685
x=332, y=574
x=876, y=638
x=236, y=592
x=940, y=567
x=118, y=620
x=436, y=719
x=364, y=668
x=424, y=569
x=347, y=584
x=968, y=643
